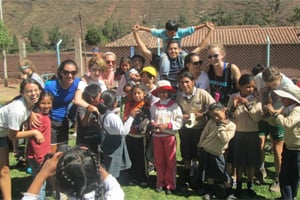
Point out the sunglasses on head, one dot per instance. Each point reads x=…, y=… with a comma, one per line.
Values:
x=65, y=72
x=215, y=56
x=198, y=62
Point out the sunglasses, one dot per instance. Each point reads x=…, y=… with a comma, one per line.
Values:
x=110, y=61
x=65, y=72
x=215, y=56
x=198, y=63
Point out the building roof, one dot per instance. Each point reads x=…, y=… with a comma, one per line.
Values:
x=227, y=35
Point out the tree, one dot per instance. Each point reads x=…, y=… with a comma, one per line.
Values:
x=183, y=21
x=35, y=36
x=54, y=36
x=14, y=48
x=92, y=36
x=5, y=38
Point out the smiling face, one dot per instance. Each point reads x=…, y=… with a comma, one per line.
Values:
x=68, y=74
x=247, y=89
x=45, y=105
x=194, y=66
x=31, y=93
x=173, y=50
x=163, y=95
x=216, y=56
x=147, y=80
x=138, y=94
x=95, y=72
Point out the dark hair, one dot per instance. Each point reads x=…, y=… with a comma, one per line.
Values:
x=257, y=69
x=109, y=97
x=127, y=85
x=91, y=91
x=77, y=172
x=188, y=58
x=215, y=106
x=139, y=86
x=271, y=74
x=185, y=73
x=246, y=79
x=42, y=96
x=22, y=88
x=125, y=60
x=172, y=25
x=138, y=57
x=62, y=66
x=172, y=42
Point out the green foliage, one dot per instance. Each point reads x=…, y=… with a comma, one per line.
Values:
x=93, y=36
x=296, y=16
x=54, y=35
x=14, y=47
x=183, y=21
x=5, y=38
x=35, y=37
x=114, y=30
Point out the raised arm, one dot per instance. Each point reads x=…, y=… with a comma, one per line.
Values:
x=141, y=45
x=138, y=27
x=204, y=43
x=197, y=27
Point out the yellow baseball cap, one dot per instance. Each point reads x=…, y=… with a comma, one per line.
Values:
x=150, y=69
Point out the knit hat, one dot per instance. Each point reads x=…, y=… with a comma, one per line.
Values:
x=150, y=69
x=163, y=85
x=284, y=94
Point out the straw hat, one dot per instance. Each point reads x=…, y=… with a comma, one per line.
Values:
x=284, y=94
x=163, y=85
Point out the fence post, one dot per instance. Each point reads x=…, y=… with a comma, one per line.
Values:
x=57, y=52
x=268, y=52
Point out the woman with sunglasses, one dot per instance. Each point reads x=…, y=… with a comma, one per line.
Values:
x=108, y=75
x=192, y=64
x=63, y=90
x=223, y=76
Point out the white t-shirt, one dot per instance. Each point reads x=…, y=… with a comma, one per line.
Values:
x=203, y=81
x=12, y=116
x=83, y=84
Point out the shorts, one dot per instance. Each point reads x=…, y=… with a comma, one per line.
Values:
x=3, y=142
x=59, y=132
x=276, y=132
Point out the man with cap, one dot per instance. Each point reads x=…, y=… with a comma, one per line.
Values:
x=289, y=118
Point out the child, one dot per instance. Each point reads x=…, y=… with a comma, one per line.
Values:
x=138, y=62
x=88, y=125
x=213, y=141
x=36, y=152
x=136, y=139
x=166, y=119
x=126, y=74
x=290, y=120
x=127, y=97
x=115, y=152
x=246, y=112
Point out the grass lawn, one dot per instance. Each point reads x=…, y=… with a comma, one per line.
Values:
x=21, y=180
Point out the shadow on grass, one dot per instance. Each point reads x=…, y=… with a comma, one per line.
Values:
x=20, y=185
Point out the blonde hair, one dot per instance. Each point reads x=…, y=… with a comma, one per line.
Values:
x=96, y=60
x=271, y=74
x=27, y=62
x=218, y=45
x=109, y=53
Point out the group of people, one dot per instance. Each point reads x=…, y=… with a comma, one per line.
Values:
x=127, y=119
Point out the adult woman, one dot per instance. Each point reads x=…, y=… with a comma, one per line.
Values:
x=79, y=175
x=27, y=68
x=108, y=74
x=194, y=103
x=223, y=76
x=95, y=65
x=63, y=91
x=12, y=116
x=192, y=63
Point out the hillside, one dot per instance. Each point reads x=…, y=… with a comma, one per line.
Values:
x=20, y=15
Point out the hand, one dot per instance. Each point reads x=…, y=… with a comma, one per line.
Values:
x=269, y=108
x=235, y=102
x=103, y=173
x=34, y=120
x=39, y=137
x=210, y=25
x=91, y=108
x=49, y=167
x=243, y=100
x=186, y=117
x=135, y=27
x=134, y=112
x=162, y=127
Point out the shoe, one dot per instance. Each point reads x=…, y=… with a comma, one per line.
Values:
x=263, y=172
x=251, y=193
x=231, y=197
x=143, y=183
x=275, y=187
x=194, y=166
x=168, y=192
x=206, y=197
x=158, y=189
x=150, y=168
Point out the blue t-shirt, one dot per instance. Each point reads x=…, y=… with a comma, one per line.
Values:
x=62, y=98
x=181, y=33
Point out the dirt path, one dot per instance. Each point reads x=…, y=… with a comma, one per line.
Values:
x=7, y=93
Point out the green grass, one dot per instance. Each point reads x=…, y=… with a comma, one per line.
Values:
x=21, y=180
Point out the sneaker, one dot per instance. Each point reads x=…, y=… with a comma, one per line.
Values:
x=275, y=187
x=158, y=189
x=194, y=166
x=208, y=196
x=168, y=192
x=231, y=197
x=263, y=172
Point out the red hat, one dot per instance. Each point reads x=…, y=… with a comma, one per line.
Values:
x=163, y=85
